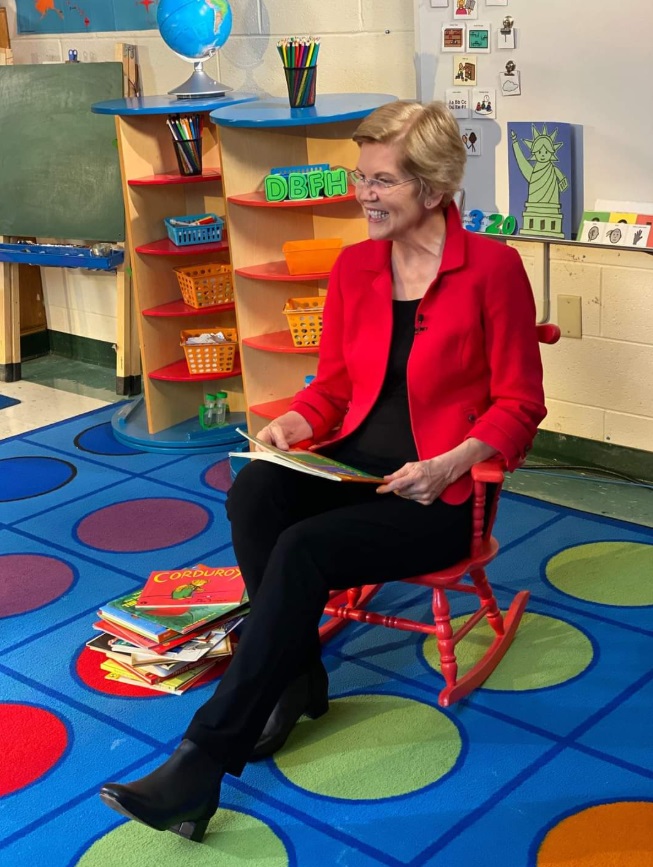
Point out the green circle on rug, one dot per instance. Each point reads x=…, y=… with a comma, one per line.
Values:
x=610, y=573
x=544, y=652
x=369, y=747
x=233, y=838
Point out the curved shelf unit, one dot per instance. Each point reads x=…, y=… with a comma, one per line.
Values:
x=178, y=372
x=180, y=309
x=257, y=200
x=279, y=341
x=278, y=272
x=272, y=408
x=167, y=178
x=165, y=247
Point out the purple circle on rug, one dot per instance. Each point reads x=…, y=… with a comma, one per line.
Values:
x=218, y=476
x=142, y=525
x=29, y=581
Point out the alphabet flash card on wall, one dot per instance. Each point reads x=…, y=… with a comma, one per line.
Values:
x=466, y=9
x=453, y=37
x=458, y=101
x=464, y=70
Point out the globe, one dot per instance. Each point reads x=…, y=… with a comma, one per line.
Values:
x=195, y=29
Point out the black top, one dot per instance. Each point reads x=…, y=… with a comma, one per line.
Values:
x=384, y=442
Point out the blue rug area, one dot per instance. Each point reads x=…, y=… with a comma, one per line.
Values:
x=7, y=401
x=529, y=771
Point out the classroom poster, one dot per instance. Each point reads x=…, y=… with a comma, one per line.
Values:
x=540, y=178
x=87, y=16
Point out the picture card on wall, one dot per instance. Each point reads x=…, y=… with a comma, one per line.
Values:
x=591, y=232
x=466, y=9
x=510, y=84
x=479, y=38
x=458, y=102
x=439, y=4
x=471, y=136
x=464, y=70
x=483, y=102
x=496, y=2
x=453, y=37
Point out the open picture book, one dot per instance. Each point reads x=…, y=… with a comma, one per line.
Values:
x=305, y=462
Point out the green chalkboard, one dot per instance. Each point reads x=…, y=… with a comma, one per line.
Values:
x=59, y=168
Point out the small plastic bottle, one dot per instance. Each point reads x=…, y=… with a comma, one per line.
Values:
x=208, y=411
x=220, y=408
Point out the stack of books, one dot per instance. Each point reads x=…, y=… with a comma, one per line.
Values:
x=173, y=633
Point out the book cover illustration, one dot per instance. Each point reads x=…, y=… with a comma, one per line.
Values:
x=154, y=624
x=306, y=462
x=220, y=587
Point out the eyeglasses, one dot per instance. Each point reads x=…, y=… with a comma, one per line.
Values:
x=377, y=184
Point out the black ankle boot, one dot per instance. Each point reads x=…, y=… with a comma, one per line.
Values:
x=180, y=796
x=307, y=694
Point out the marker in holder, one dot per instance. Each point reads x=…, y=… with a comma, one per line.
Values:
x=187, y=140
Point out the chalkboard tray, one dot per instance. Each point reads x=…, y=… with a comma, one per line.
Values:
x=60, y=256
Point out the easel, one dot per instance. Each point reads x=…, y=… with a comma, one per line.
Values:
x=127, y=348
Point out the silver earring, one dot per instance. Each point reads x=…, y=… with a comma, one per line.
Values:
x=428, y=203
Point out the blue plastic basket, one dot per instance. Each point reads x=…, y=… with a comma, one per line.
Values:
x=185, y=235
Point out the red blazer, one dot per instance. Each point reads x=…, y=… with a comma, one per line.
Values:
x=474, y=369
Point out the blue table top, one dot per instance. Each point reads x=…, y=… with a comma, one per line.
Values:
x=276, y=112
x=140, y=105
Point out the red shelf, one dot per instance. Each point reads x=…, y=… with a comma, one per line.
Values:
x=178, y=308
x=165, y=247
x=178, y=372
x=279, y=341
x=168, y=178
x=278, y=271
x=258, y=200
x=273, y=408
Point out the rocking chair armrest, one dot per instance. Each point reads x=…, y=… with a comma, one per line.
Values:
x=489, y=472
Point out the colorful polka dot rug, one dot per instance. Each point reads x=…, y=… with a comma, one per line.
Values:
x=548, y=764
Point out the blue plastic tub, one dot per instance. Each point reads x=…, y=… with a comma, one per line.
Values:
x=184, y=236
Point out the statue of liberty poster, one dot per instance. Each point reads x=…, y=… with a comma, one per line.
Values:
x=540, y=168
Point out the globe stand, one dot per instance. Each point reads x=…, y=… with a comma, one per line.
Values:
x=199, y=84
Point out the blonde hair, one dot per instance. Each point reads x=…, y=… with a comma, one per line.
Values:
x=431, y=147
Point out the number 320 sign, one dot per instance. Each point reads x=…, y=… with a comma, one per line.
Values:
x=489, y=224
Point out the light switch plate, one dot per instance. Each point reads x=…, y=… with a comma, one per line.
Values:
x=570, y=316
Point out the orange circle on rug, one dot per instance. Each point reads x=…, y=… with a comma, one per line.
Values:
x=33, y=741
x=89, y=672
x=601, y=836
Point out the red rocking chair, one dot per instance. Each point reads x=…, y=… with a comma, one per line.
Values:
x=350, y=605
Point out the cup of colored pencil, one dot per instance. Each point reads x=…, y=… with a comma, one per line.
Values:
x=187, y=140
x=299, y=57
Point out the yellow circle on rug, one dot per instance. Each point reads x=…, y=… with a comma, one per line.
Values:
x=608, y=835
x=610, y=573
x=370, y=747
x=232, y=838
x=544, y=652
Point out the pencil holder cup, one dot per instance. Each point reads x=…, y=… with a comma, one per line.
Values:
x=301, y=85
x=189, y=156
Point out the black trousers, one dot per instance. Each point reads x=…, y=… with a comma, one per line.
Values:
x=296, y=537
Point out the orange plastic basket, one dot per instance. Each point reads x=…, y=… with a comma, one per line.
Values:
x=210, y=357
x=305, y=320
x=313, y=256
x=205, y=285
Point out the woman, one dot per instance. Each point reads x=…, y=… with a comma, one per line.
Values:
x=429, y=363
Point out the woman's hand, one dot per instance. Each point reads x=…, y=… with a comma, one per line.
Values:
x=422, y=481
x=286, y=430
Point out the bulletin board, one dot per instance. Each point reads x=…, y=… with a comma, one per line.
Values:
x=59, y=166
x=584, y=63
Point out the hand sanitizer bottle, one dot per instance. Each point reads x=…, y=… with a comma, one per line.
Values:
x=220, y=408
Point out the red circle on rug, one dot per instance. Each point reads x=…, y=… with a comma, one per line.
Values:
x=89, y=672
x=33, y=740
x=29, y=581
x=218, y=476
x=142, y=525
